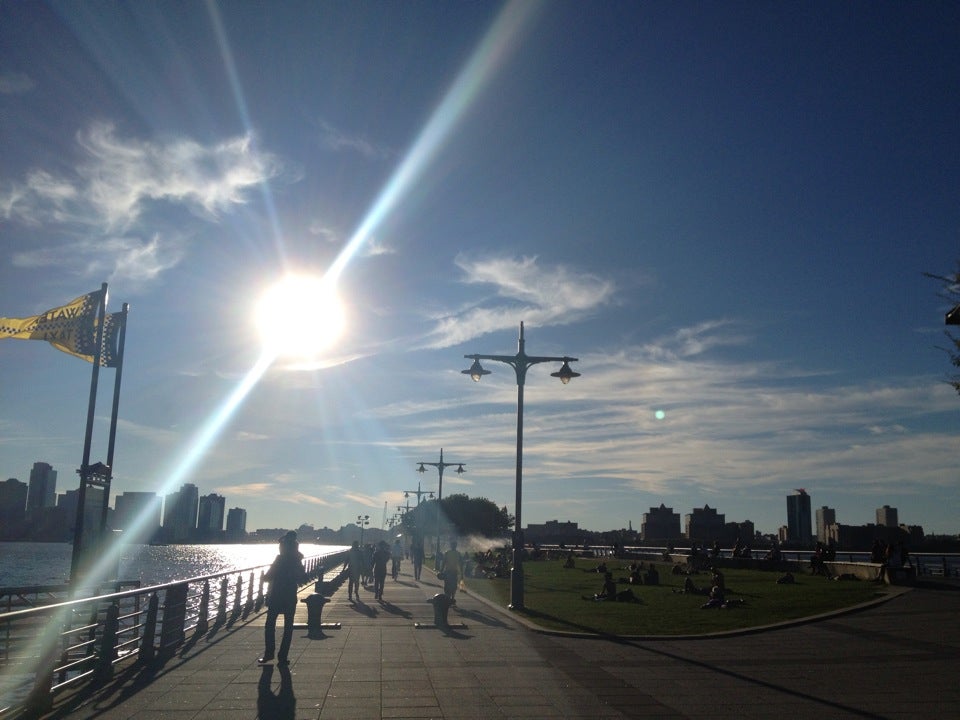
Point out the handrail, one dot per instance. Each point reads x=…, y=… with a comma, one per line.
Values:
x=62, y=644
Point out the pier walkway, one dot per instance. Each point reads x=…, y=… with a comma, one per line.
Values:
x=898, y=659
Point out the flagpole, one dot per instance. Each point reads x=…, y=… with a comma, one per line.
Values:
x=121, y=341
x=87, y=441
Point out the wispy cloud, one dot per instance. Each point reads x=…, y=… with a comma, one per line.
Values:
x=118, y=179
x=334, y=139
x=15, y=83
x=554, y=295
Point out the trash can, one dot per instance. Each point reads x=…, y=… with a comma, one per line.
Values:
x=315, y=605
x=441, y=605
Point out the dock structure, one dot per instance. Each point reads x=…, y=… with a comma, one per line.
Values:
x=371, y=659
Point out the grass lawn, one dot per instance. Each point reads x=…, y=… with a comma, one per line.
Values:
x=554, y=599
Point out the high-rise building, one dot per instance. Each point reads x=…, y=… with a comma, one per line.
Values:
x=92, y=511
x=704, y=524
x=887, y=516
x=43, y=487
x=210, y=517
x=236, y=524
x=137, y=514
x=799, y=520
x=825, y=518
x=180, y=513
x=660, y=523
x=13, y=504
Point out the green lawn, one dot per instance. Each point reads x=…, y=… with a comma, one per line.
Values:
x=554, y=599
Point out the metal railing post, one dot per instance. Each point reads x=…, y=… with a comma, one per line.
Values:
x=259, y=603
x=249, y=606
x=203, y=621
x=222, y=606
x=108, y=644
x=237, y=598
x=147, y=641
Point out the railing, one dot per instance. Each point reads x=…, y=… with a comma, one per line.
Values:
x=44, y=650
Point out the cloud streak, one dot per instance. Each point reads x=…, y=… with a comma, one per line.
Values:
x=544, y=296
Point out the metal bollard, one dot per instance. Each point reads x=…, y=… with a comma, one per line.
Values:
x=441, y=605
x=315, y=605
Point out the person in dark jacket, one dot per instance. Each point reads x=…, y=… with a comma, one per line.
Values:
x=285, y=576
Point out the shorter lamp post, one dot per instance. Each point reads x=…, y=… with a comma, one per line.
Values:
x=520, y=363
x=362, y=521
x=440, y=467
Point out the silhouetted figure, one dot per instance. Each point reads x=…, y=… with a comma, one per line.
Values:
x=285, y=576
x=452, y=568
x=416, y=556
x=355, y=570
x=381, y=556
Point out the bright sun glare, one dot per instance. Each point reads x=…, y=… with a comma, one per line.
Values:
x=299, y=317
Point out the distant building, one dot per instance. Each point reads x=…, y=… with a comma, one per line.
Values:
x=42, y=492
x=554, y=532
x=704, y=525
x=887, y=516
x=13, y=506
x=236, y=524
x=825, y=518
x=660, y=523
x=210, y=517
x=92, y=512
x=799, y=520
x=138, y=515
x=180, y=513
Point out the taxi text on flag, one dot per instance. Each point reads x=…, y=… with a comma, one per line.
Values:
x=71, y=328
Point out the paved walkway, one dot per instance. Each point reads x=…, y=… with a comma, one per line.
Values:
x=899, y=659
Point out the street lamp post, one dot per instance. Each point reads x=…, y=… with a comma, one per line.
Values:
x=362, y=521
x=418, y=492
x=439, y=466
x=520, y=363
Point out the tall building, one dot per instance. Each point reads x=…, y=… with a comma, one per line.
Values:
x=92, y=511
x=704, y=524
x=138, y=515
x=887, y=516
x=825, y=518
x=180, y=513
x=43, y=487
x=660, y=523
x=13, y=504
x=236, y=524
x=210, y=517
x=799, y=520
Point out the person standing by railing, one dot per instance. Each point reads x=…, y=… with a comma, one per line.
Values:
x=285, y=576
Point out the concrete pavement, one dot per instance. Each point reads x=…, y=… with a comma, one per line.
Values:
x=899, y=659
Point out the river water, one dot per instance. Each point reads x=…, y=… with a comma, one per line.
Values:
x=25, y=563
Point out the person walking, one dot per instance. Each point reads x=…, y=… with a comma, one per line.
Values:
x=355, y=569
x=380, y=558
x=416, y=555
x=285, y=576
x=452, y=569
x=396, y=555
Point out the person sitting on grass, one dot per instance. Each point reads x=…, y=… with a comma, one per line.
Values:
x=715, y=599
x=569, y=563
x=608, y=591
x=652, y=577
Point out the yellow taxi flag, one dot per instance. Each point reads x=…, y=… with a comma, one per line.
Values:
x=70, y=328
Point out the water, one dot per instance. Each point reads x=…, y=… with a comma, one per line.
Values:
x=24, y=563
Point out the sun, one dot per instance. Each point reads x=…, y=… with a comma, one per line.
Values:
x=299, y=317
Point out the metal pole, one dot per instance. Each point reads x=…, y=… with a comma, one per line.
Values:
x=516, y=572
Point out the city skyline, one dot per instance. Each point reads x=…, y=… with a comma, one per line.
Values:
x=162, y=511
x=724, y=211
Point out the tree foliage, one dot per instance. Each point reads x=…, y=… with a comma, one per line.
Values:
x=460, y=515
x=951, y=291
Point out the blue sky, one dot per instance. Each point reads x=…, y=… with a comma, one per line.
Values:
x=724, y=210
